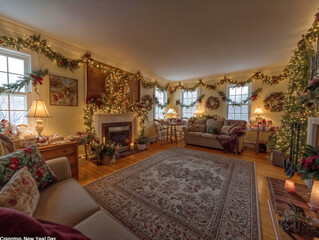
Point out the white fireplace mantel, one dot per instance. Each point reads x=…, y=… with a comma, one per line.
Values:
x=313, y=124
x=100, y=118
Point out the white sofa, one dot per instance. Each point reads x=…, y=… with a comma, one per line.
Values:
x=66, y=202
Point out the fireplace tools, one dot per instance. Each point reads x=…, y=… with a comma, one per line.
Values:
x=290, y=166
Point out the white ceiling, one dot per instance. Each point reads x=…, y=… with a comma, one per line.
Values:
x=176, y=40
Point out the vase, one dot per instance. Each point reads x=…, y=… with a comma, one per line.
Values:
x=107, y=159
x=314, y=197
x=141, y=147
x=308, y=183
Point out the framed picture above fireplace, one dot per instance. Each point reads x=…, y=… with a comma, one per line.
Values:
x=63, y=91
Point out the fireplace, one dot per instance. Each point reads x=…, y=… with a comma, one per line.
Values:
x=119, y=132
x=313, y=132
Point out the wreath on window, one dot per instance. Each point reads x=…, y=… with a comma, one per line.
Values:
x=148, y=102
x=212, y=103
x=275, y=102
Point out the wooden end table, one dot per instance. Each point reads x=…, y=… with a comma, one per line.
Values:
x=257, y=136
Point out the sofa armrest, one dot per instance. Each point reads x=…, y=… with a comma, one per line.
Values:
x=60, y=167
x=240, y=143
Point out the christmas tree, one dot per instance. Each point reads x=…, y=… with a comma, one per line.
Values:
x=298, y=106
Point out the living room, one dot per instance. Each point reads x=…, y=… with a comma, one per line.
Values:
x=159, y=119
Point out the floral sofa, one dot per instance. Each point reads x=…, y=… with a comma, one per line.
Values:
x=216, y=133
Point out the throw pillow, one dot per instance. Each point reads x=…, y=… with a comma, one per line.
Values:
x=15, y=223
x=226, y=129
x=32, y=159
x=214, y=123
x=212, y=130
x=191, y=128
x=200, y=128
x=20, y=193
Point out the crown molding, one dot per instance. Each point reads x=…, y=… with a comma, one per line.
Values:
x=11, y=28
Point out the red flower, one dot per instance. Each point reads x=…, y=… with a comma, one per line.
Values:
x=15, y=161
x=199, y=100
x=302, y=162
x=39, y=173
x=177, y=102
x=28, y=150
x=13, y=166
x=12, y=202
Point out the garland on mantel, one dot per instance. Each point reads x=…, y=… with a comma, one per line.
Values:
x=192, y=104
x=40, y=46
x=252, y=97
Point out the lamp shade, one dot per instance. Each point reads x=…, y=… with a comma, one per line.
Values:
x=171, y=111
x=38, y=110
x=259, y=111
x=198, y=112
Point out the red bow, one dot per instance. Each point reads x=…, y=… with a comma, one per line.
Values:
x=36, y=79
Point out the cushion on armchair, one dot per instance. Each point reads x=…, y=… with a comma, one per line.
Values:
x=226, y=129
x=217, y=124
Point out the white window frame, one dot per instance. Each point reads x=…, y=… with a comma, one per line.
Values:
x=157, y=110
x=248, y=103
x=27, y=68
x=182, y=101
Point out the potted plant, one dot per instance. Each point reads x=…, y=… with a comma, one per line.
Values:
x=106, y=152
x=142, y=140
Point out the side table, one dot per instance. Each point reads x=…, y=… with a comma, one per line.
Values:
x=257, y=136
x=69, y=150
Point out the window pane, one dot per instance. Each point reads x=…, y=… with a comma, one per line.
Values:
x=231, y=109
x=244, y=96
x=16, y=65
x=231, y=116
x=237, y=109
x=238, y=90
x=14, y=78
x=238, y=98
x=4, y=115
x=18, y=117
x=244, y=117
x=4, y=102
x=3, y=63
x=3, y=78
x=237, y=116
x=233, y=98
x=18, y=102
x=245, y=90
x=232, y=91
x=244, y=108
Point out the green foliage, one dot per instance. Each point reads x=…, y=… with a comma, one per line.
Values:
x=309, y=163
x=109, y=148
x=142, y=139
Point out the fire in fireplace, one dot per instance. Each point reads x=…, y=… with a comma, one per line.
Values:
x=120, y=132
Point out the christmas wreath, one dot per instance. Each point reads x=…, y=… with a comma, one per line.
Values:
x=148, y=102
x=274, y=102
x=212, y=103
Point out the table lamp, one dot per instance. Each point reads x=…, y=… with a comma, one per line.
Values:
x=258, y=111
x=171, y=113
x=38, y=110
x=198, y=112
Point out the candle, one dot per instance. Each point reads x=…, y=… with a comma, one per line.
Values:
x=132, y=146
x=103, y=140
x=290, y=186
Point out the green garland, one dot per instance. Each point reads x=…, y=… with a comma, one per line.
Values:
x=253, y=97
x=164, y=105
x=192, y=104
x=36, y=77
x=37, y=45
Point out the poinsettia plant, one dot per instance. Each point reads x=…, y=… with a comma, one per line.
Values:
x=309, y=163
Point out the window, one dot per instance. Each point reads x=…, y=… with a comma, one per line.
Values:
x=187, y=98
x=237, y=94
x=13, y=65
x=159, y=113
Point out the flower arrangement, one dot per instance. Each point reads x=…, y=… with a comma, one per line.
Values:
x=309, y=163
x=109, y=148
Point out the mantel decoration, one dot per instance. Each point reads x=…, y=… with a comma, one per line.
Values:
x=192, y=104
x=212, y=103
x=148, y=102
x=253, y=97
x=274, y=102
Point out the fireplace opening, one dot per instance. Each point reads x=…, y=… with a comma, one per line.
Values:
x=120, y=132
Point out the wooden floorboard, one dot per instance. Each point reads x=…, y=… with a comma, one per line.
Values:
x=89, y=172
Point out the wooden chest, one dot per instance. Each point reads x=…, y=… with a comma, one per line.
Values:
x=69, y=150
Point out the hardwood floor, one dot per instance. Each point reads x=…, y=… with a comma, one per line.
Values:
x=89, y=172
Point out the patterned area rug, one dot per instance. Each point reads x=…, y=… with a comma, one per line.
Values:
x=183, y=194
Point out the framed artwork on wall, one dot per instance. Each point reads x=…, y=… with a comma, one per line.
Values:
x=63, y=91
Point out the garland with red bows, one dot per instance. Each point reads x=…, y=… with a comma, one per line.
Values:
x=252, y=97
x=192, y=104
x=36, y=78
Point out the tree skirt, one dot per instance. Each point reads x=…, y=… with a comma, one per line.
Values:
x=183, y=194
